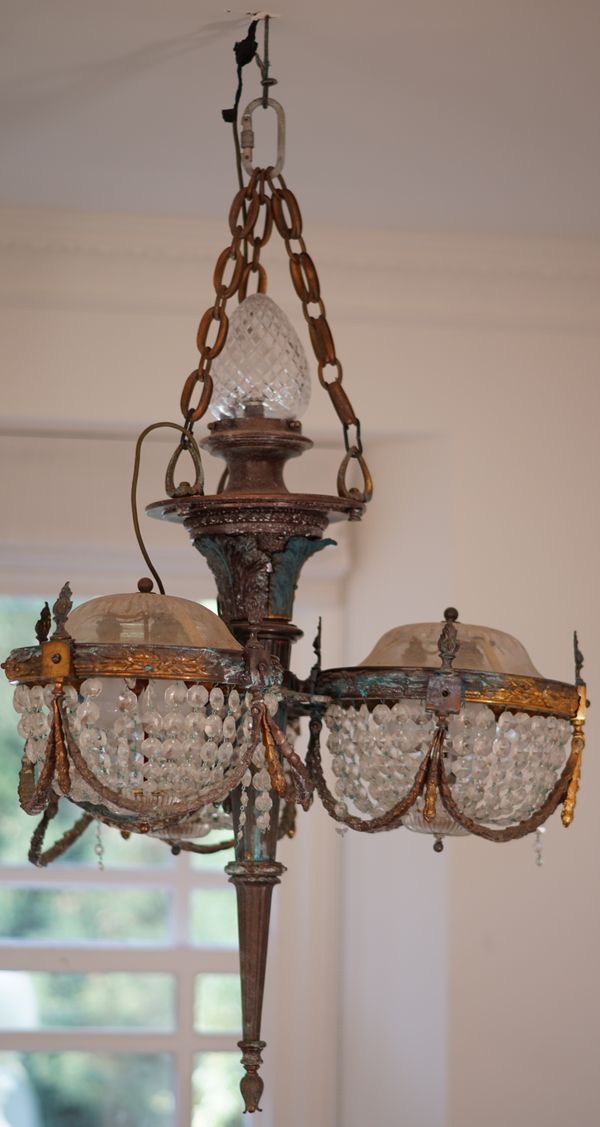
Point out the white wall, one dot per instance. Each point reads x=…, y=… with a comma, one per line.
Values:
x=468, y=984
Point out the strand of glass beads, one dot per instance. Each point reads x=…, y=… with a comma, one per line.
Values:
x=99, y=847
x=33, y=705
x=170, y=740
x=257, y=779
x=501, y=771
x=538, y=846
x=376, y=754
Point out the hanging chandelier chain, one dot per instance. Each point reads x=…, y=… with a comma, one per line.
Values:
x=266, y=201
x=243, y=216
x=305, y=280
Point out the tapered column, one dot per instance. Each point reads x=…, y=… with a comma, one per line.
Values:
x=254, y=882
x=256, y=537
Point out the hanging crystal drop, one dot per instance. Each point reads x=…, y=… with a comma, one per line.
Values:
x=99, y=847
x=262, y=369
x=538, y=846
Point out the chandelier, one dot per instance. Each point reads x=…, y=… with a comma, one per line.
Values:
x=153, y=714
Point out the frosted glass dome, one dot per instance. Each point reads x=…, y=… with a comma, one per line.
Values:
x=140, y=618
x=262, y=369
x=480, y=648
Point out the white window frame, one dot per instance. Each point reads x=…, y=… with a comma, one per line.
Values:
x=177, y=958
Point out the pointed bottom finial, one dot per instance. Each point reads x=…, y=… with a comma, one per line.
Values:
x=251, y=1085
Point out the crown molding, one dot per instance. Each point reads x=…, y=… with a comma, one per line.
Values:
x=160, y=264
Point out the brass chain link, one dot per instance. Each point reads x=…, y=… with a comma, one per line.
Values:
x=214, y=323
x=267, y=200
x=305, y=280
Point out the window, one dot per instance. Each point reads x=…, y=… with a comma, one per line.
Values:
x=119, y=989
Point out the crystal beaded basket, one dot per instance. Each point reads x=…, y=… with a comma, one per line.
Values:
x=447, y=733
x=142, y=713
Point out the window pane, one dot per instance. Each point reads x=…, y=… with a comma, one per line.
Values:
x=35, y=1000
x=109, y=915
x=214, y=862
x=216, y=1090
x=86, y=1090
x=214, y=918
x=218, y=1007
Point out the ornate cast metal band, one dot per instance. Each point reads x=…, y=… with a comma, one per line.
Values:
x=185, y=663
x=498, y=690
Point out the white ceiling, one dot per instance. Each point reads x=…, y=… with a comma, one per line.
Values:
x=463, y=116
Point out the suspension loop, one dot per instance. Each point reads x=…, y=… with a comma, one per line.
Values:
x=351, y=493
x=261, y=284
x=185, y=489
x=247, y=134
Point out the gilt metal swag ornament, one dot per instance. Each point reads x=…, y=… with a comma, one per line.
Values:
x=154, y=715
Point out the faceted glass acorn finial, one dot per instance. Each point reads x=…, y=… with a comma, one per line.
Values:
x=262, y=370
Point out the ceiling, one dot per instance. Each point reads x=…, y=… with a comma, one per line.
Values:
x=452, y=116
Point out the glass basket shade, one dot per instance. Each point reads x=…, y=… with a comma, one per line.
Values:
x=500, y=770
x=144, y=748
x=164, y=747
x=262, y=369
x=501, y=766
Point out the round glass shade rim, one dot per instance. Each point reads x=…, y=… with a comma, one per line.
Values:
x=372, y=685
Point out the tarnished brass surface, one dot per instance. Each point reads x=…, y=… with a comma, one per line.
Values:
x=500, y=691
x=42, y=857
x=255, y=450
x=226, y=667
x=295, y=513
x=56, y=658
x=577, y=747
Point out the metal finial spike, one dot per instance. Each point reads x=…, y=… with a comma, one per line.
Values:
x=43, y=624
x=578, y=659
x=62, y=609
x=438, y=845
x=448, y=642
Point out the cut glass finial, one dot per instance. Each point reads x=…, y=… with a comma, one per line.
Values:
x=262, y=371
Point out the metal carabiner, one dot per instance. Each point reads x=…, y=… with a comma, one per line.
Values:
x=247, y=135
